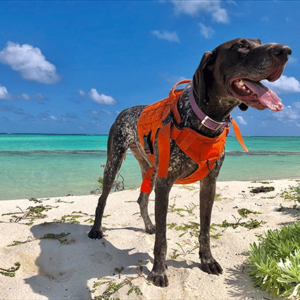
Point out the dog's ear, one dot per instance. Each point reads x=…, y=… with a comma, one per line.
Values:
x=243, y=107
x=204, y=75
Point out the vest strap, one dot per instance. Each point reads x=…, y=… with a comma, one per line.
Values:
x=164, y=150
x=147, y=181
x=238, y=135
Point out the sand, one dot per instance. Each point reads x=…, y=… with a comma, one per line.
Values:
x=76, y=267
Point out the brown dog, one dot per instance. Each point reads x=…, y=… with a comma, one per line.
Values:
x=227, y=77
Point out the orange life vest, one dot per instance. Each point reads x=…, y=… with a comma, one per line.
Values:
x=157, y=119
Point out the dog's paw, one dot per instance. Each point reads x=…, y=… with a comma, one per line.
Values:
x=211, y=266
x=95, y=234
x=159, y=279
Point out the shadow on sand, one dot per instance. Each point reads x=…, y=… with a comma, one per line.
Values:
x=65, y=269
x=241, y=285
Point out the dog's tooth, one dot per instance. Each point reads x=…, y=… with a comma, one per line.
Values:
x=241, y=83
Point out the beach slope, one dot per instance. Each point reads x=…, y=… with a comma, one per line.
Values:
x=48, y=238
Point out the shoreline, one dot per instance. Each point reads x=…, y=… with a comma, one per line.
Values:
x=69, y=265
x=138, y=187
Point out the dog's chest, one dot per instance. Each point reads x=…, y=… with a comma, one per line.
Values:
x=181, y=165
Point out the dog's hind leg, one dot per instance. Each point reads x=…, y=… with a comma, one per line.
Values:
x=143, y=202
x=144, y=197
x=115, y=156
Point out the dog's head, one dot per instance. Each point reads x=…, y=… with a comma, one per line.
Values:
x=234, y=70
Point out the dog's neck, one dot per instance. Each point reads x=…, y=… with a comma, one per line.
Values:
x=190, y=119
x=216, y=103
x=213, y=109
x=207, y=121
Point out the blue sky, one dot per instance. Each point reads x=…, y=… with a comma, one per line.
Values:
x=71, y=67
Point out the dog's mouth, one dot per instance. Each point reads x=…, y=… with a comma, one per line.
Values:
x=255, y=94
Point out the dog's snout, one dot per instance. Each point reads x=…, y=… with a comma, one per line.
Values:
x=281, y=51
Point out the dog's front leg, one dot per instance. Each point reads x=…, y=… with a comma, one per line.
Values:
x=158, y=275
x=207, y=196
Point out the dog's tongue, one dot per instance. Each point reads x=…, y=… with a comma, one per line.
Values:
x=266, y=97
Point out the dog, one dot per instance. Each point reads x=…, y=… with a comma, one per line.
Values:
x=227, y=77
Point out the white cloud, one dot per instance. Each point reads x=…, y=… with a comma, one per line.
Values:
x=265, y=19
x=297, y=105
x=94, y=112
x=220, y=15
x=167, y=35
x=241, y=120
x=292, y=61
x=206, y=31
x=53, y=118
x=30, y=62
x=193, y=7
x=38, y=96
x=100, y=99
x=284, y=85
x=24, y=96
x=171, y=78
x=107, y=112
x=4, y=93
x=289, y=113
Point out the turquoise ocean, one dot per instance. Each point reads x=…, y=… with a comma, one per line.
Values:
x=38, y=165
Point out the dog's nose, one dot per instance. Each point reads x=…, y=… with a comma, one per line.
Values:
x=281, y=51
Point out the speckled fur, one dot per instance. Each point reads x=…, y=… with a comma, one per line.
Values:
x=210, y=87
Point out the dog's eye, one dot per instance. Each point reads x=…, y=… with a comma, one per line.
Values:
x=245, y=46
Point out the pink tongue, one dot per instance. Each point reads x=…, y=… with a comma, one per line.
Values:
x=266, y=97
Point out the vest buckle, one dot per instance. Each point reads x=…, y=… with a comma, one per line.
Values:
x=208, y=163
x=168, y=119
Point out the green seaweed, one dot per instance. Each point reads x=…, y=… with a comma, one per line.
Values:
x=218, y=197
x=293, y=193
x=251, y=224
x=72, y=218
x=31, y=213
x=11, y=272
x=187, y=187
x=60, y=237
x=244, y=212
x=61, y=201
x=114, y=287
x=89, y=220
x=188, y=209
x=119, y=270
x=35, y=200
x=17, y=243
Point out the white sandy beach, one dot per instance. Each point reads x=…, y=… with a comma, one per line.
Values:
x=81, y=268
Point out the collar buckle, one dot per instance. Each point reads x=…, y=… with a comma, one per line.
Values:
x=207, y=118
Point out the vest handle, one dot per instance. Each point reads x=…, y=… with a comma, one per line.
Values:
x=172, y=94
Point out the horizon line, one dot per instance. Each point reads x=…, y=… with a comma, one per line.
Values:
x=101, y=134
